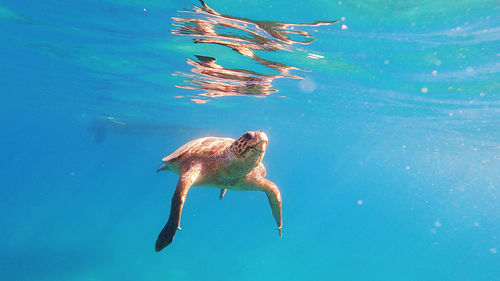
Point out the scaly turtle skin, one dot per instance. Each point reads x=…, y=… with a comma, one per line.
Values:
x=218, y=162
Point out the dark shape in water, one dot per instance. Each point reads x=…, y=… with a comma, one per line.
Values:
x=98, y=129
x=243, y=36
x=100, y=126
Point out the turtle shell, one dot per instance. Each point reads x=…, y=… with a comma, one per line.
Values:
x=204, y=147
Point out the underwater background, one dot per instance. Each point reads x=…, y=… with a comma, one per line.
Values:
x=383, y=119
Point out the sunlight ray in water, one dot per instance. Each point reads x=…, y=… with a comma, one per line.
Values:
x=245, y=37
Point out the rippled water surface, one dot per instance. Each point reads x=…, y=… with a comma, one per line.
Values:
x=383, y=120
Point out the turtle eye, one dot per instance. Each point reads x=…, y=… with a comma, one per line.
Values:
x=247, y=136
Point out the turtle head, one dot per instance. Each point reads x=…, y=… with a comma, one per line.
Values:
x=251, y=145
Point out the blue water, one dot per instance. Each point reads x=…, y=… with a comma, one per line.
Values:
x=384, y=135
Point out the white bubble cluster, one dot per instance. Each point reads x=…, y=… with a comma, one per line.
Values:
x=437, y=223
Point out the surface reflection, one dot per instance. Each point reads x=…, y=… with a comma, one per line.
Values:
x=218, y=81
x=245, y=37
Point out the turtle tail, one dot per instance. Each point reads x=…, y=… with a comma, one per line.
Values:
x=164, y=167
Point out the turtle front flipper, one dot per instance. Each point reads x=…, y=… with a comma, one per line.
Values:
x=183, y=185
x=273, y=195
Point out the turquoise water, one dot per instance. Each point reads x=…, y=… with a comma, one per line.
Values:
x=384, y=133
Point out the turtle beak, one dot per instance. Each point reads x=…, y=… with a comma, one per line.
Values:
x=261, y=146
x=261, y=140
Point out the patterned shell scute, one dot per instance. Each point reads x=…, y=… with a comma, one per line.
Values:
x=199, y=147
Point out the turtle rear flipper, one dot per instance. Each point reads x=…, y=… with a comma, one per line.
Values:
x=164, y=167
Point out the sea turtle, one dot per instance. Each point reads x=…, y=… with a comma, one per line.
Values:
x=218, y=162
